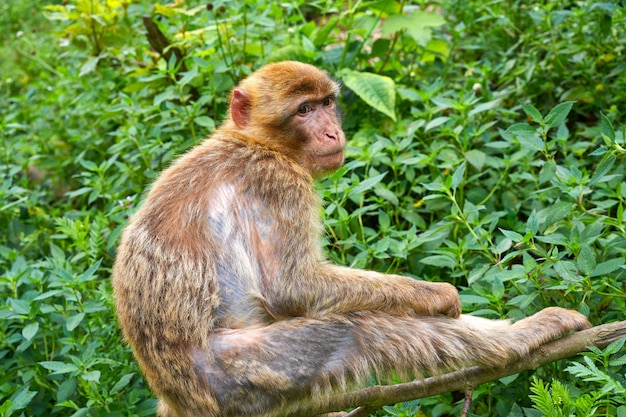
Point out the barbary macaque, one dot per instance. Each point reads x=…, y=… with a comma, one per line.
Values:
x=225, y=296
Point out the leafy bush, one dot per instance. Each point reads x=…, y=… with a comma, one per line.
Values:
x=486, y=149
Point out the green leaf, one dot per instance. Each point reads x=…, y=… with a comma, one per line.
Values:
x=188, y=76
x=378, y=91
x=484, y=107
x=73, y=321
x=520, y=128
x=558, y=114
x=607, y=267
x=437, y=121
x=30, y=330
x=607, y=128
x=603, y=168
x=439, y=260
x=459, y=174
x=586, y=260
x=514, y=236
x=59, y=367
x=531, y=141
x=205, y=121
x=532, y=224
x=22, y=398
x=124, y=381
x=532, y=112
x=366, y=184
x=476, y=158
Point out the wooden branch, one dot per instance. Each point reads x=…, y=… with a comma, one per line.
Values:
x=373, y=398
x=159, y=42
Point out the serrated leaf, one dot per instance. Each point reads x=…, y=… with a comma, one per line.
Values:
x=532, y=112
x=603, y=168
x=558, y=114
x=377, y=91
x=607, y=267
x=586, y=260
x=532, y=141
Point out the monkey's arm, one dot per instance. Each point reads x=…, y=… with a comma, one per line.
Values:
x=335, y=289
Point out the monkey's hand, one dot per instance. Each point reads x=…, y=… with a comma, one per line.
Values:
x=436, y=298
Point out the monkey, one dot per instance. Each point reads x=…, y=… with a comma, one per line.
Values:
x=227, y=300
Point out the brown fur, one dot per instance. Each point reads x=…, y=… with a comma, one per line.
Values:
x=227, y=301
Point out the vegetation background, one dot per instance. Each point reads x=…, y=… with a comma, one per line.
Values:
x=486, y=149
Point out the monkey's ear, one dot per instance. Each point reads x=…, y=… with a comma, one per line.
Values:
x=240, y=107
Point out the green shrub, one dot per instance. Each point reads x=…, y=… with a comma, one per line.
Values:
x=486, y=149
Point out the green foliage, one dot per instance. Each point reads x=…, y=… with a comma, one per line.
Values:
x=486, y=149
x=603, y=368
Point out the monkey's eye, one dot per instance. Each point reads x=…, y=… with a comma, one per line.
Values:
x=327, y=101
x=304, y=108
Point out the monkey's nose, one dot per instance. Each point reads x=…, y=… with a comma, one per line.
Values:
x=334, y=136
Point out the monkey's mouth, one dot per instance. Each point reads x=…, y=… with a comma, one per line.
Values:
x=331, y=159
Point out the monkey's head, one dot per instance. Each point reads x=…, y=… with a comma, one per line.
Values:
x=290, y=107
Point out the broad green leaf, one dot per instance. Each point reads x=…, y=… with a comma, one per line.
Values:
x=607, y=267
x=417, y=25
x=30, y=330
x=22, y=398
x=66, y=389
x=367, y=184
x=376, y=90
x=476, y=158
x=188, y=76
x=532, y=224
x=484, y=107
x=586, y=260
x=458, y=176
x=514, y=236
x=558, y=114
x=93, y=376
x=205, y=121
x=59, y=367
x=532, y=141
x=518, y=128
x=603, y=168
x=437, y=121
x=124, y=380
x=73, y=321
x=532, y=112
x=607, y=128
x=439, y=260
x=436, y=48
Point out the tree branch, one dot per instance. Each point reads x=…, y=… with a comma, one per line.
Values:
x=373, y=398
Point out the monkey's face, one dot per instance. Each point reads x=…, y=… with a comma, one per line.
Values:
x=291, y=108
x=321, y=137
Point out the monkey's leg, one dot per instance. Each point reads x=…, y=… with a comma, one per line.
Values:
x=281, y=368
